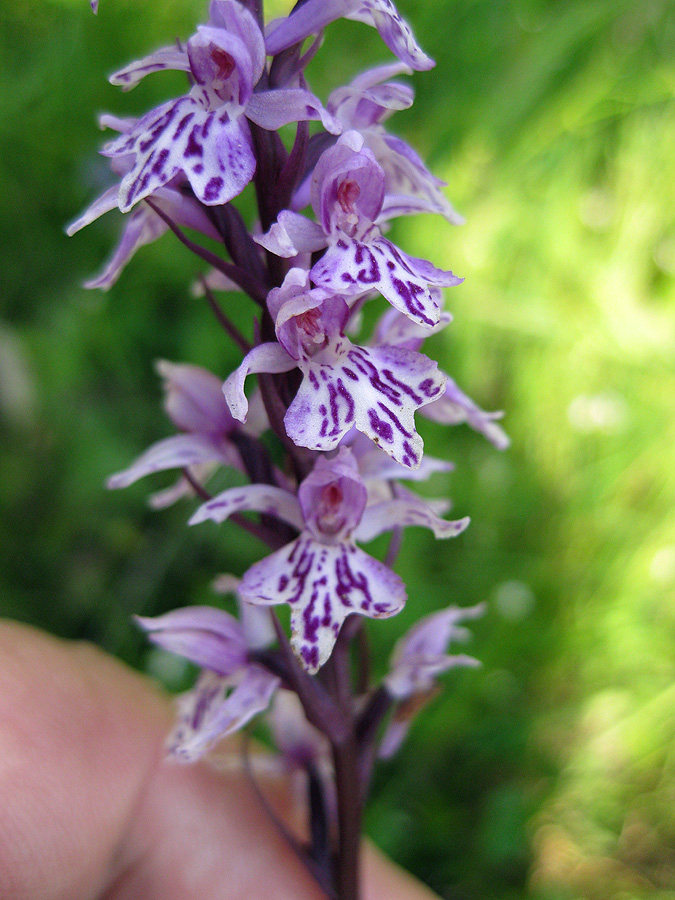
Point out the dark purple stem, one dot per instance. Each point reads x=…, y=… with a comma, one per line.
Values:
x=249, y=285
x=229, y=326
x=347, y=773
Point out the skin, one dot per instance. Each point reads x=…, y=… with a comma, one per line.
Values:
x=91, y=810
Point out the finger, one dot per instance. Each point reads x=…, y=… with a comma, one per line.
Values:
x=89, y=807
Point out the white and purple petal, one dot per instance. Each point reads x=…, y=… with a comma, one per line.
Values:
x=177, y=452
x=100, y=206
x=292, y=234
x=211, y=147
x=270, y=358
x=333, y=497
x=165, y=58
x=411, y=510
x=421, y=654
x=142, y=227
x=275, y=108
x=376, y=390
x=394, y=31
x=350, y=267
x=261, y=498
x=314, y=15
x=323, y=584
x=454, y=407
x=194, y=399
x=211, y=710
x=235, y=18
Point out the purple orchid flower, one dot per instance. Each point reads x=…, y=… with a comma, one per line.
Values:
x=453, y=406
x=230, y=690
x=322, y=574
x=348, y=190
x=143, y=226
x=419, y=657
x=375, y=390
x=313, y=16
x=205, y=135
x=195, y=404
x=363, y=106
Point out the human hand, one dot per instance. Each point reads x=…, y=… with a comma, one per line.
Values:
x=91, y=810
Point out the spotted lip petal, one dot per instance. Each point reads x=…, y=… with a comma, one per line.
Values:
x=211, y=147
x=216, y=707
x=323, y=584
x=375, y=390
x=351, y=267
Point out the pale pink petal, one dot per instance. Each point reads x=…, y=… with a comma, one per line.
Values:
x=209, y=712
x=292, y=234
x=275, y=108
x=210, y=638
x=177, y=452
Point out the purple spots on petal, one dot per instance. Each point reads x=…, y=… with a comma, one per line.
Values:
x=182, y=125
x=410, y=454
x=347, y=397
x=213, y=188
x=429, y=387
x=394, y=419
x=158, y=165
x=403, y=386
x=310, y=656
x=381, y=429
x=193, y=147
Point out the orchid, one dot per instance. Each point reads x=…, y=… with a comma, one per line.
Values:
x=348, y=190
x=364, y=105
x=322, y=574
x=205, y=135
x=144, y=225
x=418, y=658
x=376, y=390
x=327, y=448
x=231, y=689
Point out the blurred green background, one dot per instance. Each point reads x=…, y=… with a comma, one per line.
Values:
x=550, y=773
